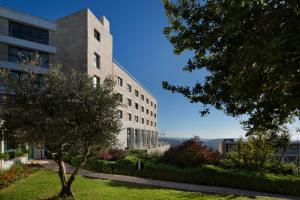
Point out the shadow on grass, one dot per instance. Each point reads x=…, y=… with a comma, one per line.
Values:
x=58, y=198
x=184, y=193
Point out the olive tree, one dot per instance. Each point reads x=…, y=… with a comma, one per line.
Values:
x=64, y=112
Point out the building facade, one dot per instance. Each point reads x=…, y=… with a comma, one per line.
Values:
x=84, y=42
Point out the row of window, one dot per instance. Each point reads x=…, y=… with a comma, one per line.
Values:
x=30, y=33
x=136, y=92
x=14, y=54
x=136, y=105
x=136, y=119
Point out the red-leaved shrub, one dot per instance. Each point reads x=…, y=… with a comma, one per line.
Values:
x=112, y=154
x=191, y=153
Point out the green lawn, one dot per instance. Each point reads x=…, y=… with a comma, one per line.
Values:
x=45, y=184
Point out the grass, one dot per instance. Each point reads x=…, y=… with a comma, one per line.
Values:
x=44, y=184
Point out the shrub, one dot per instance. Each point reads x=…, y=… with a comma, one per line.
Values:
x=105, y=156
x=285, y=168
x=15, y=173
x=19, y=153
x=190, y=153
x=141, y=154
x=4, y=156
x=75, y=161
x=113, y=155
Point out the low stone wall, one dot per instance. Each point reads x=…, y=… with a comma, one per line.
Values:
x=6, y=164
x=159, y=149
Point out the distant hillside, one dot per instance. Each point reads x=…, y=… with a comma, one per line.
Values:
x=211, y=143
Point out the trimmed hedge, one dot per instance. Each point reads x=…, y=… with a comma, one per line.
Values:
x=205, y=175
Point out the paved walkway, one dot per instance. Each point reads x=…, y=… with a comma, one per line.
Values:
x=49, y=164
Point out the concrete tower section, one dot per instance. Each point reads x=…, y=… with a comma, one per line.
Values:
x=84, y=42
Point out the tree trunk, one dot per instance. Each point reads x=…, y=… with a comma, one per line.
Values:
x=65, y=190
x=66, y=184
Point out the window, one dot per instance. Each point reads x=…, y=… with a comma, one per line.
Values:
x=154, y=115
x=155, y=124
x=96, y=60
x=151, y=123
x=129, y=116
x=120, y=97
x=147, y=101
x=147, y=111
x=120, y=81
x=96, y=80
x=143, y=120
x=155, y=106
x=14, y=55
x=142, y=97
x=120, y=114
x=136, y=118
x=30, y=33
x=129, y=88
x=147, y=122
x=143, y=108
x=151, y=113
x=151, y=103
x=136, y=106
x=136, y=93
x=129, y=102
x=97, y=35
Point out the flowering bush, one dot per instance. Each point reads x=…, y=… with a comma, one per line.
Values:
x=112, y=155
x=15, y=173
x=191, y=153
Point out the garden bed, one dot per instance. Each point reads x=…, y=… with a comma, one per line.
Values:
x=15, y=173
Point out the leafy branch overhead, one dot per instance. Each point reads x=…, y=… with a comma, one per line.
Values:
x=251, y=50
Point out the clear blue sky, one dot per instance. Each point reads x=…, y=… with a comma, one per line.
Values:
x=140, y=46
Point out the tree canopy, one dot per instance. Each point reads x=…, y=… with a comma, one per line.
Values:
x=64, y=112
x=251, y=51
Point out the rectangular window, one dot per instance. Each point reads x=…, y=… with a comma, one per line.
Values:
x=97, y=35
x=120, y=114
x=147, y=101
x=142, y=97
x=151, y=103
x=147, y=122
x=120, y=97
x=136, y=119
x=119, y=81
x=143, y=108
x=129, y=88
x=14, y=54
x=143, y=120
x=129, y=116
x=147, y=111
x=96, y=60
x=151, y=123
x=29, y=33
x=136, y=93
x=154, y=115
x=155, y=124
x=96, y=80
x=151, y=113
x=136, y=106
x=155, y=106
x=129, y=102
